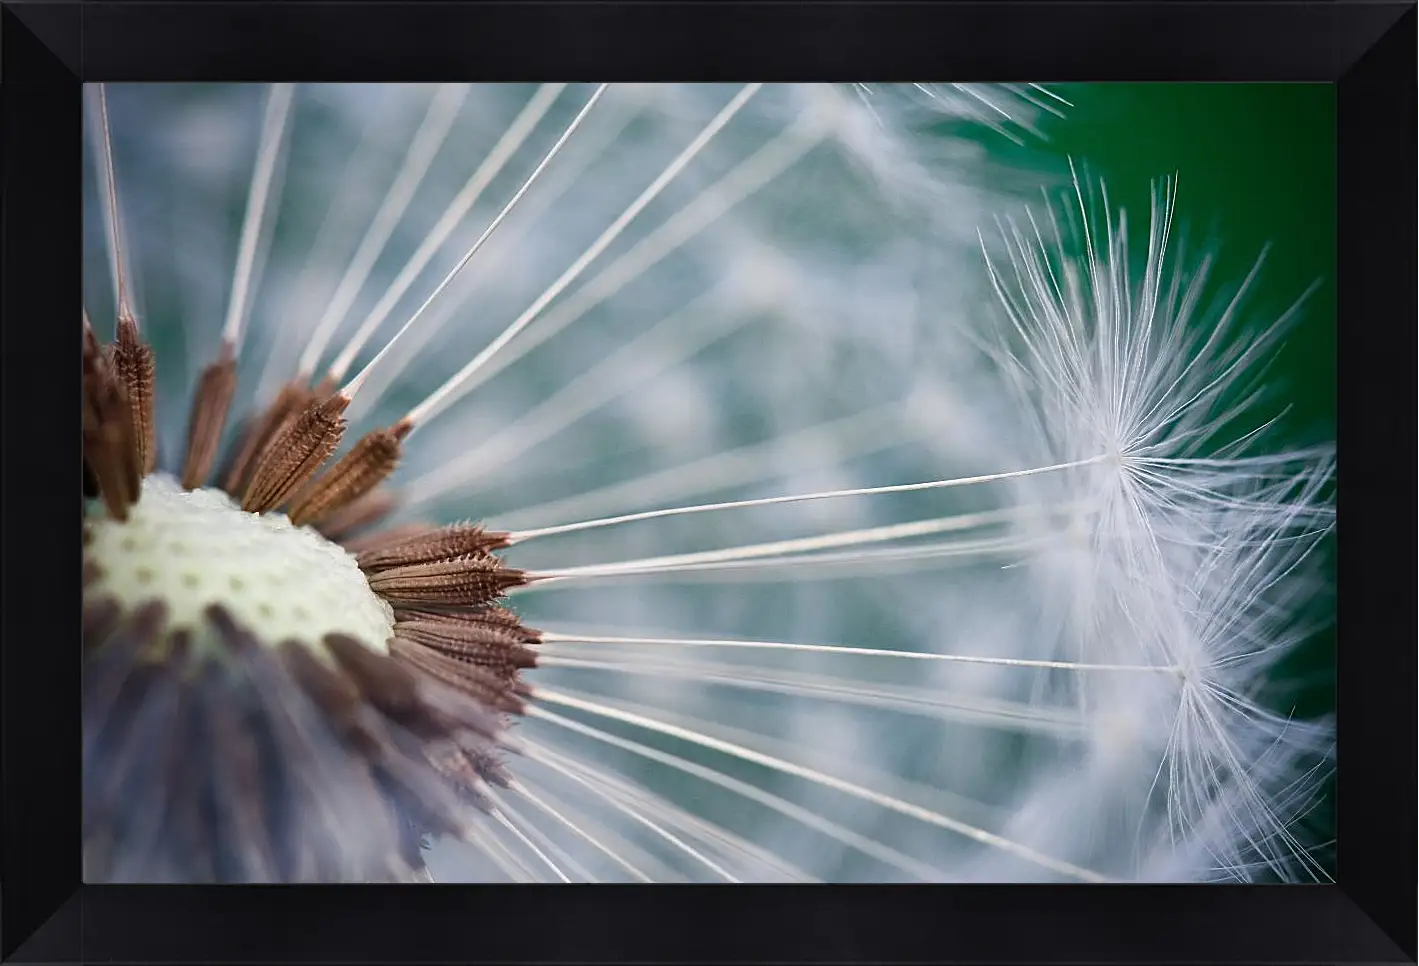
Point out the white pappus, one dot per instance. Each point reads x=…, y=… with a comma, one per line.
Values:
x=865, y=523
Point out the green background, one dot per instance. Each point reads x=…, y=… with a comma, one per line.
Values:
x=1256, y=167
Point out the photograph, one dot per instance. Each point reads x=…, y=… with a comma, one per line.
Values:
x=717, y=483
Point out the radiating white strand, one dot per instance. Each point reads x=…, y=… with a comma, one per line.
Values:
x=732, y=844
x=454, y=388
x=896, y=805
x=520, y=536
x=787, y=568
x=432, y=132
x=672, y=818
x=108, y=190
x=530, y=828
x=992, y=714
x=273, y=133
x=856, y=435
x=569, y=768
x=502, y=820
x=553, y=636
x=492, y=165
x=525, y=788
x=501, y=856
x=268, y=226
x=783, y=806
x=823, y=758
x=751, y=174
x=335, y=226
x=674, y=338
x=655, y=867
x=592, y=145
x=343, y=362
x=848, y=538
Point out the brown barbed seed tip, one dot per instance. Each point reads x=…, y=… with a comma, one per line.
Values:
x=434, y=544
x=357, y=473
x=137, y=370
x=489, y=689
x=210, y=404
x=491, y=615
x=470, y=581
x=294, y=454
x=110, y=449
x=499, y=649
x=258, y=433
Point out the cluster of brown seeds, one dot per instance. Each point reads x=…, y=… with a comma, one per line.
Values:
x=211, y=754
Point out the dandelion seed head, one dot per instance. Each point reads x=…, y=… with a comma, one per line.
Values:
x=1050, y=666
x=195, y=548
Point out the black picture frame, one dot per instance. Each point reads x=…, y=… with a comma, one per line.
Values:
x=48, y=49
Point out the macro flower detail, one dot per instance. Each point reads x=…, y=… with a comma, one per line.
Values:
x=234, y=650
x=863, y=540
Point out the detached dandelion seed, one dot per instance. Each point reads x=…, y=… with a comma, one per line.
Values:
x=482, y=586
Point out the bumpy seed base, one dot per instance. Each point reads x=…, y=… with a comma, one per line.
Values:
x=193, y=548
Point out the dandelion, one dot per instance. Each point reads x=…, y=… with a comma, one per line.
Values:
x=662, y=483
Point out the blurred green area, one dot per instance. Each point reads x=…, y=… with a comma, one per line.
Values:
x=1256, y=167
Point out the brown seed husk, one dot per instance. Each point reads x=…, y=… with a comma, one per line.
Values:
x=482, y=684
x=210, y=405
x=256, y=435
x=469, y=581
x=496, y=648
x=432, y=545
x=358, y=472
x=489, y=615
x=111, y=454
x=295, y=453
x=136, y=368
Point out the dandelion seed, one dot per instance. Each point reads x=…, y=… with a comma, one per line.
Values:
x=997, y=614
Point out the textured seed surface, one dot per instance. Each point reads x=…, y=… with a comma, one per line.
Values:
x=195, y=548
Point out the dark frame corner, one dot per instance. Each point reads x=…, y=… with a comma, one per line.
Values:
x=47, y=49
